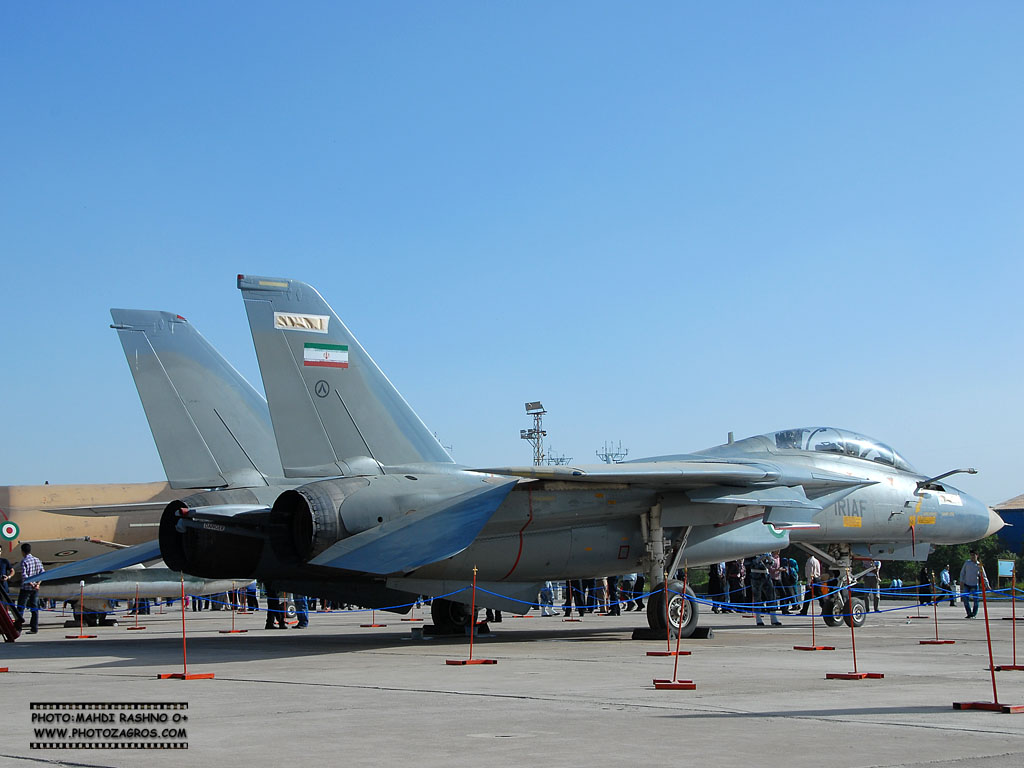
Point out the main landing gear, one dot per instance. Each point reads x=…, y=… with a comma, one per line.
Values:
x=682, y=611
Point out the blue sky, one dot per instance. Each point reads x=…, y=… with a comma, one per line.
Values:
x=665, y=221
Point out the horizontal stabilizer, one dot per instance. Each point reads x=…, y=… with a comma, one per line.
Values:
x=111, y=561
x=101, y=510
x=415, y=540
x=55, y=552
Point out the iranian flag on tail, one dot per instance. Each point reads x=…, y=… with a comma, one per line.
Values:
x=325, y=355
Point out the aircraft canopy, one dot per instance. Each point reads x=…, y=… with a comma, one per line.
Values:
x=841, y=441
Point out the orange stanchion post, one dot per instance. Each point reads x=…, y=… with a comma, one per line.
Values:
x=1013, y=618
x=373, y=621
x=675, y=684
x=994, y=705
x=668, y=626
x=136, y=626
x=855, y=675
x=412, y=614
x=472, y=632
x=81, y=616
x=813, y=646
x=936, y=641
x=184, y=675
x=233, y=631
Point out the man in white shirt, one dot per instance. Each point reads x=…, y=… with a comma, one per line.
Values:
x=812, y=573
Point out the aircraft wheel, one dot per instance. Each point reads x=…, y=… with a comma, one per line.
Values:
x=449, y=616
x=682, y=613
x=857, y=613
x=833, y=613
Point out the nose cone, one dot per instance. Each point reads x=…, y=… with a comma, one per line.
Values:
x=995, y=522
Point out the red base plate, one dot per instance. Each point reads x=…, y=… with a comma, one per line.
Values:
x=182, y=676
x=4, y=669
x=131, y=628
x=917, y=617
x=572, y=619
x=854, y=676
x=228, y=631
x=814, y=648
x=669, y=653
x=411, y=619
x=524, y=616
x=467, y=662
x=936, y=642
x=79, y=637
x=1009, y=667
x=674, y=685
x=373, y=625
x=243, y=613
x=990, y=706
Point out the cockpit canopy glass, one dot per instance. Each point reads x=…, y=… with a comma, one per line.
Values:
x=840, y=441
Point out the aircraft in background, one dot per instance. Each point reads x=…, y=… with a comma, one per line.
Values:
x=380, y=513
x=65, y=523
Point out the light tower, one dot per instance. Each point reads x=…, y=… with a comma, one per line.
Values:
x=536, y=435
x=612, y=454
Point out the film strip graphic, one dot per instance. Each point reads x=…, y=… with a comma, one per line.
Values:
x=121, y=705
x=108, y=745
x=95, y=720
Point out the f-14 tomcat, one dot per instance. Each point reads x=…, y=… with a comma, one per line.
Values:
x=392, y=516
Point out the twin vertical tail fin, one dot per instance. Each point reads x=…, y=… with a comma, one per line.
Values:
x=334, y=411
x=211, y=428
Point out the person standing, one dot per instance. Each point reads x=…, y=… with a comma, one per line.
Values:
x=717, y=586
x=946, y=586
x=301, y=610
x=6, y=572
x=762, y=593
x=812, y=573
x=612, y=585
x=735, y=572
x=924, y=586
x=275, y=608
x=547, y=599
x=970, y=578
x=28, y=595
x=872, y=582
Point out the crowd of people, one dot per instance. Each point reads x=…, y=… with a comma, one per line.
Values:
x=762, y=584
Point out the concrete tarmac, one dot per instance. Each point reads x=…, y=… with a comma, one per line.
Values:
x=561, y=694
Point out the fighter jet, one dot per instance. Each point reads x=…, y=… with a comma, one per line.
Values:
x=391, y=516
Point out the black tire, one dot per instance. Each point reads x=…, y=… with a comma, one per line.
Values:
x=832, y=613
x=449, y=617
x=857, y=614
x=684, y=614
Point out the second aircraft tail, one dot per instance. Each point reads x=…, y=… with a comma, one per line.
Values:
x=211, y=428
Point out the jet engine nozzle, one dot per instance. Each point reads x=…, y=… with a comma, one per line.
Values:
x=201, y=545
